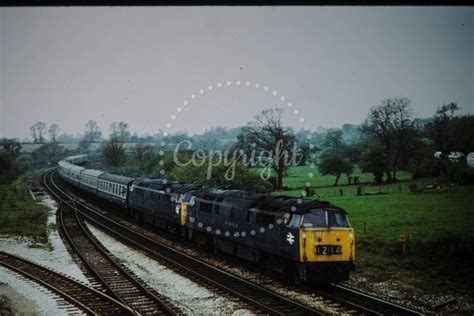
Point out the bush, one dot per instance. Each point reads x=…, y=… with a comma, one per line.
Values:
x=19, y=213
x=460, y=173
x=23, y=162
x=431, y=168
x=8, y=170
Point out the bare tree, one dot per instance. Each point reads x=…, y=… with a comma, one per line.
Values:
x=267, y=134
x=53, y=132
x=120, y=130
x=33, y=133
x=92, y=132
x=37, y=131
x=392, y=125
x=114, y=152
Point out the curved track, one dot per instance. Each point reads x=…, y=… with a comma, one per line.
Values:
x=119, y=282
x=88, y=299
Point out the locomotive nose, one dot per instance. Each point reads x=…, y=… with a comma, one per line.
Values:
x=327, y=245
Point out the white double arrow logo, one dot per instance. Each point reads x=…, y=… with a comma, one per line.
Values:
x=290, y=238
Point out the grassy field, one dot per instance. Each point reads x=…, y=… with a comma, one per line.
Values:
x=298, y=176
x=20, y=214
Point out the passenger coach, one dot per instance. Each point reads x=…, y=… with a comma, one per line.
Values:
x=114, y=188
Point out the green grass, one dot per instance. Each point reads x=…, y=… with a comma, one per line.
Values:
x=297, y=177
x=20, y=214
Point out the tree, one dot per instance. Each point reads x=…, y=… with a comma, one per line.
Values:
x=348, y=128
x=53, y=132
x=37, y=131
x=92, y=132
x=6, y=166
x=463, y=133
x=440, y=130
x=11, y=145
x=120, y=130
x=143, y=152
x=375, y=160
x=391, y=125
x=48, y=153
x=333, y=139
x=67, y=138
x=307, y=153
x=244, y=179
x=114, y=152
x=267, y=134
x=333, y=164
x=34, y=134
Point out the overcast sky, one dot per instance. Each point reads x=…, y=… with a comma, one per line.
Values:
x=70, y=65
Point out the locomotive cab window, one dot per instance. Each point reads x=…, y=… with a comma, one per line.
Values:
x=294, y=221
x=337, y=219
x=323, y=218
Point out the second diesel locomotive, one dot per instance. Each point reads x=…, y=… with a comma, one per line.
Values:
x=305, y=239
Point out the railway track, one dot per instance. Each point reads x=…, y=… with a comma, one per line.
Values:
x=382, y=306
x=263, y=299
x=80, y=295
x=118, y=281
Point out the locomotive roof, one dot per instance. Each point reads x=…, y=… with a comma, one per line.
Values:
x=159, y=184
x=246, y=199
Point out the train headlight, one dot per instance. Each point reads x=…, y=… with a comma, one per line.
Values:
x=178, y=206
x=350, y=235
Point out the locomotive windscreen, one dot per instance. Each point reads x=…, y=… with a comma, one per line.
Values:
x=325, y=218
